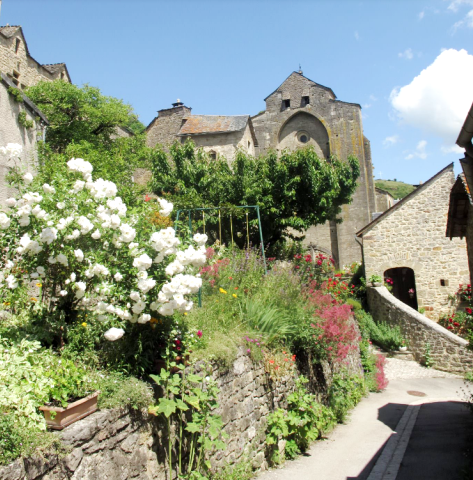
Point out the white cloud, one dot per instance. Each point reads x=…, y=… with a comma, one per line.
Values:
x=373, y=98
x=456, y=3
x=390, y=141
x=366, y=105
x=466, y=22
x=451, y=149
x=419, y=151
x=407, y=54
x=438, y=99
x=357, y=35
x=421, y=15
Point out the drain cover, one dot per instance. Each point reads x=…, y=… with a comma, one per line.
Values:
x=416, y=394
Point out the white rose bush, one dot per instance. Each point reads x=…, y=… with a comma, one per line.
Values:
x=77, y=239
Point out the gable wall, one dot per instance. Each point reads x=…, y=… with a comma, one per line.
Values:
x=413, y=236
x=343, y=124
x=166, y=126
x=30, y=71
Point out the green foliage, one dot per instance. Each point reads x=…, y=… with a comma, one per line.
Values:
x=16, y=93
x=78, y=114
x=23, y=120
x=304, y=421
x=344, y=393
x=386, y=336
x=395, y=188
x=19, y=441
x=243, y=470
x=296, y=190
x=368, y=362
x=188, y=402
x=118, y=390
x=268, y=320
x=428, y=361
x=375, y=279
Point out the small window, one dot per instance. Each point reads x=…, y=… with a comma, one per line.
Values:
x=303, y=137
x=444, y=283
x=16, y=76
x=213, y=154
x=305, y=101
x=286, y=104
x=62, y=75
x=17, y=45
x=249, y=145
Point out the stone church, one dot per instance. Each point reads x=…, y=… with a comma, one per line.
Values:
x=298, y=113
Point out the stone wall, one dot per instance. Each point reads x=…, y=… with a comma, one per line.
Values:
x=412, y=234
x=12, y=132
x=117, y=445
x=16, y=62
x=448, y=351
x=335, y=128
x=164, y=128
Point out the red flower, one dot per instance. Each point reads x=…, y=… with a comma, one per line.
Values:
x=199, y=333
x=147, y=198
x=449, y=327
x=456, y=324
x=469, y=311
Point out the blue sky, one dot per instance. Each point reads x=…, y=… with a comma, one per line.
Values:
x=225, y=57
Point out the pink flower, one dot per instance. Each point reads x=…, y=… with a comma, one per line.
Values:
x=199, y=333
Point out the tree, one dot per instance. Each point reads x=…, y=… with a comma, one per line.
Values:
x=296, y=190
x=79, y=114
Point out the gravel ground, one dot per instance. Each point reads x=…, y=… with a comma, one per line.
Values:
x=398, y=369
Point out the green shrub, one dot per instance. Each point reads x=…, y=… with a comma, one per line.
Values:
x=117, y=390
x=303, y=421
x=17, y=440
x=386, y=336
x=344, y=393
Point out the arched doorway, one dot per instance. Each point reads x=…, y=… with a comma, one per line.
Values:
x=404, y=285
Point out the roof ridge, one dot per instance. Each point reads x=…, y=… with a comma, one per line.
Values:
x=401, y=202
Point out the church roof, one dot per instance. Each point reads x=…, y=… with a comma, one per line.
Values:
x=201, y=124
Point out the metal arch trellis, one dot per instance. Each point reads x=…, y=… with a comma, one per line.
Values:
x=256, y=207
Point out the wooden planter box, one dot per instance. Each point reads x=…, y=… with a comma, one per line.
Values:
x=73, y=412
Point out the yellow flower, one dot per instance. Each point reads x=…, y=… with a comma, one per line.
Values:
x=221, y=290
x=185, y=313
x=33, y=299
x=84, y=324
x=234, y=295
x=39, y=285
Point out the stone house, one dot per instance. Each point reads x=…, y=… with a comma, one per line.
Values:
x=17, y=63
x=298, y=113
x=219, y=135
x=460, y=217
x=407, y=243
x=12, y=131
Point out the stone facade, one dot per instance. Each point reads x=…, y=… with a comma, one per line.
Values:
x=299, y=113
x=17, y=63
x=412, y=235
x=384, y=200
x=12, y=132
x=448, y=352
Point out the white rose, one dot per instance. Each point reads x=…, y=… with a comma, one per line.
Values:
x=114, y=334
x=79, y=254
x=200, y=238
x=48, y=188
x=4, y=221
x=27, y=178
x=96, y=235
x=118, y=276
x=10, y=202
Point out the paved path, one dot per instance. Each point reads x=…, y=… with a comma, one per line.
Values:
x=357, y=450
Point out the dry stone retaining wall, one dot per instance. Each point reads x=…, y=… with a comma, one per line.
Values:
x=447, y=351
x=119, y=445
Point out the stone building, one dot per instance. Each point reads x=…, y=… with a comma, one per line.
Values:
x=220, y=135
x=298, y=113
x=407, y=243
x=12, y=131
x=17, y=63
x=384, y=199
